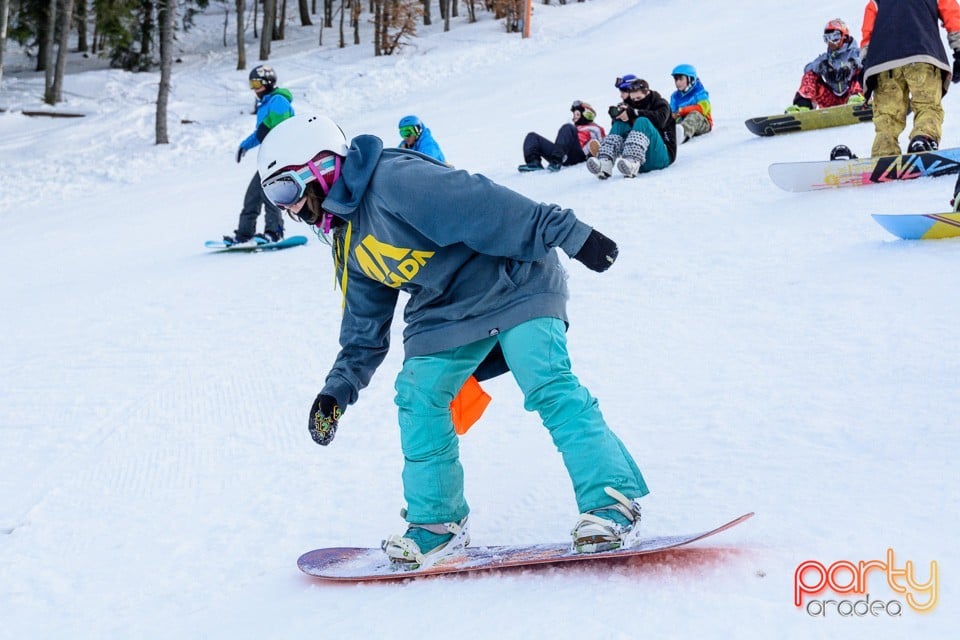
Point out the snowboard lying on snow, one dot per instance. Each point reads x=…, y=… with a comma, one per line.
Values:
x=814, y=119
x=921, y=226
x=858, y=172
x=353, y=564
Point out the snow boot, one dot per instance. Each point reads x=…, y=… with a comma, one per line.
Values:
x=593, y=148
x=268, y=236
x=423, y=545
x=530, y=166
x=236, y=238
x=601, y=167
x=842, y=152
x=612, y=527
x=634, y=154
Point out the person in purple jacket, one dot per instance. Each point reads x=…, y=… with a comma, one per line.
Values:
x=486, y=291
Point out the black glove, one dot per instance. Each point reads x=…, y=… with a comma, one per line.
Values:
x=956, y=67
x=240, y=152
x=598, y=252
x=324, y=415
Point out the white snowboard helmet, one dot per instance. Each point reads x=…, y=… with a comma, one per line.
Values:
x=298, y=140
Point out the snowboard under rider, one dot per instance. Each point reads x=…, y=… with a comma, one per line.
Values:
x=486, y=294
x=273, y=107
x=643, y=136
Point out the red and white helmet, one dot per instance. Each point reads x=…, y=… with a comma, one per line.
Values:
x=837, y=25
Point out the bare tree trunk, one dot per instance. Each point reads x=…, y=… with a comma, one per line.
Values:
x=241, y=45
x=146, y=34
x=305, y=13
x=167, y=19
x=281, y=26
x=80, y=21
x=66, y=17
x=4, y=22
x=454, y=9
x=426, y=13
x=48, y=53
x=446, y=16
x=377, y=22
x=355, y=20
x=328, y=13
x=343, y=12
x=266, y=33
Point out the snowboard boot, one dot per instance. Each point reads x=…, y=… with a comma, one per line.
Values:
x=921, y=143
x=842, y=152
x=634, y=154
x=423, y=545
x=530, y=166
x=554, y=166
x=236, y=238
x=268, y=236
x=613, y=527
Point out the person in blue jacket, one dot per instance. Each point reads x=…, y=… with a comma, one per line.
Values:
x=485, y=289
x=273, y=107
x=415, y=135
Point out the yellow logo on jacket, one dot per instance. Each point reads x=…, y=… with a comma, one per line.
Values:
x=393, y=266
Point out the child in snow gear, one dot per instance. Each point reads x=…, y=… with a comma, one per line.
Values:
x=572, y=145
x=906, y=68
x=690, y=103
x=273, y=107
x=833, y=78
x=486, y=291
x=643, y=136
x=418, y=137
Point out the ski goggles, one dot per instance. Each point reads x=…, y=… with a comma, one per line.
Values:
x=406, y=132
x=256, y=83
x=832, y=37
x=289, y=187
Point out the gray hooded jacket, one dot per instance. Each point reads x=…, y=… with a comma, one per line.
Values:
x=475, y=258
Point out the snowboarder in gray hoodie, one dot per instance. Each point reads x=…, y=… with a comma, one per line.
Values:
x=487, y=294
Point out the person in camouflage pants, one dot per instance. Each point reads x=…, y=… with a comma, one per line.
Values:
x=905, y=67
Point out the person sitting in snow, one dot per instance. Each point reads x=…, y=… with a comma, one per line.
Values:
x=415, y=135
x=479, y=268
x=834, y=77
x=575, y=141
x=643, y=136
x=690, y=103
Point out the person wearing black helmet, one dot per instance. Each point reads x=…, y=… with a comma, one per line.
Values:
x=273, y=107
x=572, y=145
x=643, y=136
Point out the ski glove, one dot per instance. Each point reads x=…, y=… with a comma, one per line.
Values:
x=956, y=66
x=598, y=252
x=240, y=152
x=324, y=415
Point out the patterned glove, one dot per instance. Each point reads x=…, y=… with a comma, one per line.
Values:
x=324, y=416
x=855, y=99
x=794, y=108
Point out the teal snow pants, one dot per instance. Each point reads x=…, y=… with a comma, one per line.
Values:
x=657, y=155
x=536, y=352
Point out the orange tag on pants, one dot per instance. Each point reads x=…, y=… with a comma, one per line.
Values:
x=468, y=405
